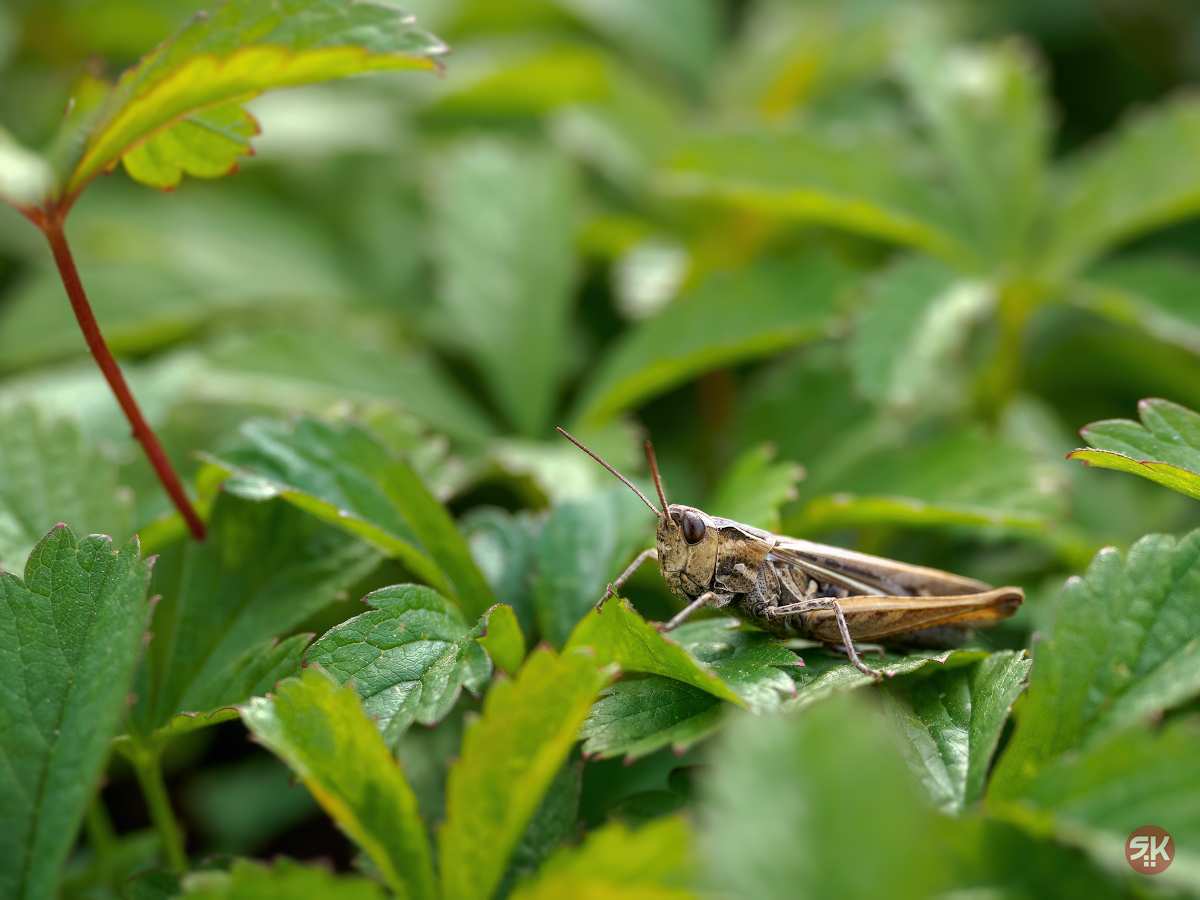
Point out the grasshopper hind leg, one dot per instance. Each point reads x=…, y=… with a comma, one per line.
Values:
x=860, y=648
x=811, y=605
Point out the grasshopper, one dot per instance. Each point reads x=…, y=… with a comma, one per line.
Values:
x=799, y=588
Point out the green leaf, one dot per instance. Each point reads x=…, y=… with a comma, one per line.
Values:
x=616, y=633
x=347, y=476
x=583, y=545
x=827, y=673
x=802, y=402
x=504, y=545
x=787, y=802
x=505, y=298
x=1125, y=646
x=408, y=658
x=1139, y=777
x=779, y=305
x=950, y=720
x=48, y=476
x=158, y=272
x=264, y=569
x=525, y=78
x=1176, y=478
x=911, y=329
x=283, y=880
x=70, y=636
x=650, y=863
x=756, y=666
x=971, y=477
x=218, y=61
x=1152, y=293
x=1165, y=447
x=636, y=717
x=509, y=759
x=1135, y=179
x=621, y=135
x=754, y=488
x=321, y=732
x=778, y=42
x=502, y=638
x=555, y=823
x=318, y=368
x=680, y=35
x=254, y=673
x=865, y=181
x=985, y=112
x=25, y=176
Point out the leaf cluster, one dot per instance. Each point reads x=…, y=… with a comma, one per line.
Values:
x=858, y=271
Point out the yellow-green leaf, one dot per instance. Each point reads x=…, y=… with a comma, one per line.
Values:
x=647, y=864
x=204, y=145
x=618, y=634
x=502, y=638
x=218, y=61
x=319, y=729
x=509, y=758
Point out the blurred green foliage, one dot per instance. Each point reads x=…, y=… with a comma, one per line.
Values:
x=859, y=269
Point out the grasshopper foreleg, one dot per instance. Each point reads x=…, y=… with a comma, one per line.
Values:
x=652, y=553
x=804, y=606
x=678, y=619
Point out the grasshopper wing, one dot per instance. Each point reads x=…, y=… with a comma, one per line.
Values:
x=886, y=597
x=863, y=574
x=879, y=618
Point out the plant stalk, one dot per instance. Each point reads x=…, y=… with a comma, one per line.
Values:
x=100, y=834
x=51, y=224
x=148, y=767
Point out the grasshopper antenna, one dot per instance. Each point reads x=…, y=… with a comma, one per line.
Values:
x=653, y=460
x=618, y=474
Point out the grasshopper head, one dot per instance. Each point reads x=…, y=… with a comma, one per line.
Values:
x=687, y=537
x=687, y=550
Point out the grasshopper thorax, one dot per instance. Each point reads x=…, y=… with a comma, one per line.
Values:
x=688, y=541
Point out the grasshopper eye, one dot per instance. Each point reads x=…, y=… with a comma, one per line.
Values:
x=693, y=528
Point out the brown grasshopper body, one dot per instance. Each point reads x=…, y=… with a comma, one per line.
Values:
x=804, y=589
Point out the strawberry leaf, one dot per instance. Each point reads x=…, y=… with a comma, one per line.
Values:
x=47, y=476
x=950, y=719
x=321, y=732
x=509, y=759
x=1164, y=447
x=636, y=717
x=178, y=110
x=70, y=634
x=263, y=570
x=779, y=306
x=408, y=658
x=754, y=665
x=345, y=475
x=613, y=861
x=618, y=634
x=501, y=637
x=1124, y=648
x=204, y=145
